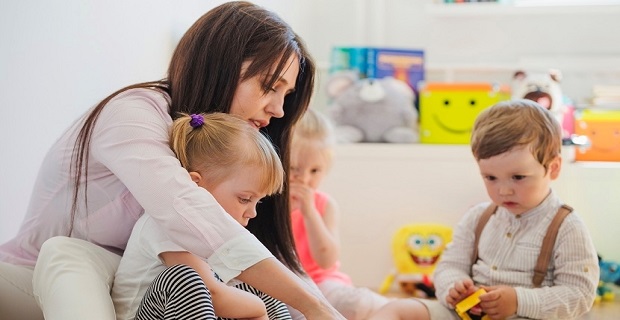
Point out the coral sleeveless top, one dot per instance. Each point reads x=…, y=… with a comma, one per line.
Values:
x=315, y=272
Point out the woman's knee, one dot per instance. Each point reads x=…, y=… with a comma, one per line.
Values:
x=74, y=259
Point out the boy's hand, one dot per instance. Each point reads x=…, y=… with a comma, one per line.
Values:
x=460, y=291
x=499, y=302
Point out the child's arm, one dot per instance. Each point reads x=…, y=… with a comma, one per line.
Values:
x=455, y=265
x=226, y=300
x=322, y=231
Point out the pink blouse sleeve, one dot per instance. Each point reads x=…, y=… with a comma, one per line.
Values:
x=131, y=140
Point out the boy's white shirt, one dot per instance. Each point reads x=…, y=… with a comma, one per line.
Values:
x=508, y=250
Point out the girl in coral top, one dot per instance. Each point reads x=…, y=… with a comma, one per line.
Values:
x=315, y=218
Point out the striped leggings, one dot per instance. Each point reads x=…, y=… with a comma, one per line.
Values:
x=178, y=293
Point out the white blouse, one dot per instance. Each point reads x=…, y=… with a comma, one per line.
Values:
x=131, y=170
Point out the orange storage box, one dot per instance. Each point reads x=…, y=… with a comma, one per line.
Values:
x=602, y=127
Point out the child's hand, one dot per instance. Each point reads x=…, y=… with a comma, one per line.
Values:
x=302, y=197
x=460, y=291
x=499, y=302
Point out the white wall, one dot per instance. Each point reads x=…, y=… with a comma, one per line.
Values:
x=382, y=187
x=59, y=57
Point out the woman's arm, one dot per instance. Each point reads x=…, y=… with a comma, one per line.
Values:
x=226, y=300
x=289, y=288
x=130, y=139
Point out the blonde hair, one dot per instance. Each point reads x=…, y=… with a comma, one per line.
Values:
x=509, y=124
x=223, y=144
x=316, y=127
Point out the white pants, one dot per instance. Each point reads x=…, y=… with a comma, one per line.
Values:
x=16, y=299
x=354, y=303
x=71, y=280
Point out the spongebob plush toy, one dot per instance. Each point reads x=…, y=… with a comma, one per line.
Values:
x=416, y=249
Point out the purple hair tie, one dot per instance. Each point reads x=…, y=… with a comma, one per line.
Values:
x=197, y=120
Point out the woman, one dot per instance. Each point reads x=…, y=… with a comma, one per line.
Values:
x=114, y=164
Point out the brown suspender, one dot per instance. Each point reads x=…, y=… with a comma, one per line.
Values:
x=547, y=246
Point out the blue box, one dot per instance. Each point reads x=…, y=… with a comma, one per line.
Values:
x=403, y=64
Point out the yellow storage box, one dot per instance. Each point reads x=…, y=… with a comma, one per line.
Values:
x=448, y=110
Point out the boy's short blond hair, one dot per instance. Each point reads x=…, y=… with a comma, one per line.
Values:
x=509, y=124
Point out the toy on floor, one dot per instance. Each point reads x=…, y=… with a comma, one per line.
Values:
x=466, y=304
x=610, y=274
x=416, y=249
x=372, y=110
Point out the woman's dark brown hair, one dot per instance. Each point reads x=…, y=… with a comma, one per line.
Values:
x=203, y=75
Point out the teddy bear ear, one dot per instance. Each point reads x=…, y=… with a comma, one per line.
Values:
x=340, y=81
x=519, y=75
x=555, y=74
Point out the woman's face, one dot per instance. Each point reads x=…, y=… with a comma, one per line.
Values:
x=257, y=104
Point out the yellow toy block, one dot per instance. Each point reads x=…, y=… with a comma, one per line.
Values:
x=466, y=304
x=448, y=110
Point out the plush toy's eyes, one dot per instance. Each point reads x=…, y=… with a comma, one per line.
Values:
x=435, y=242
x=416, y=242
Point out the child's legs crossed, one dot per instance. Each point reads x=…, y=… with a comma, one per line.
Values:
x=353, y=303
x=17, y=301
x=177, y=293
x=73, y=278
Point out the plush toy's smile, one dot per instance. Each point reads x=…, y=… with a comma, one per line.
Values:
x=424, y=261
x=448, y=129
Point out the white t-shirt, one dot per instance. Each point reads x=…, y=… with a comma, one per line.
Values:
x=140, y=265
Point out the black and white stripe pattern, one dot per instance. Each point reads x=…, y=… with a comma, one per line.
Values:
x=276, y=310
x=177, y=293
